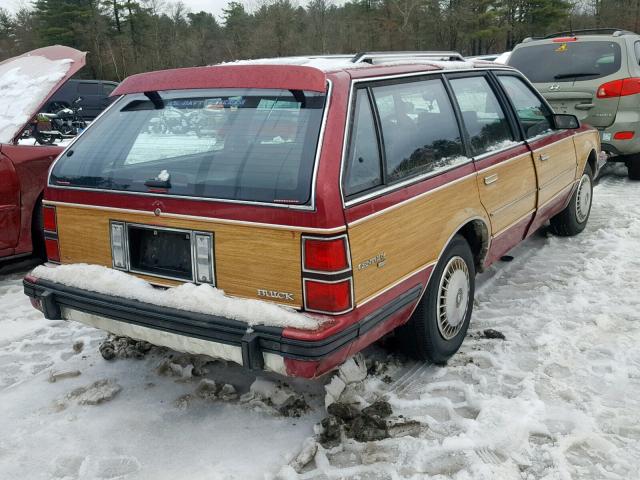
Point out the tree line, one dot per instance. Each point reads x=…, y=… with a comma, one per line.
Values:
x=124, y=37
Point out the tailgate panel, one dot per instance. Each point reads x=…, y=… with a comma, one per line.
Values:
x=247, y=258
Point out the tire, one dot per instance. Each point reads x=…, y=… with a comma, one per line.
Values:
x=433, y=337
x=37, y=233
x=573, y=219
x=633, y=167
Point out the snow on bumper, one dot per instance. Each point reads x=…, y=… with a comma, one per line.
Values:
x=256, y=347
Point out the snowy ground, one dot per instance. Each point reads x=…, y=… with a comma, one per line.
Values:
x=558, y=399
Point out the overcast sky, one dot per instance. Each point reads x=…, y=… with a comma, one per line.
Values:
x=212, y=6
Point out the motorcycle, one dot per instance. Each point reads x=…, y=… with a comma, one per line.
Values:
x=63, y=122
x=68, y=120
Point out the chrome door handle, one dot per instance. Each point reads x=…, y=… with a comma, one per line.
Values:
x=544, y=157
x=489, y=179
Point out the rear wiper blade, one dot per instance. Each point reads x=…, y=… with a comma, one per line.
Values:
x=570, y=75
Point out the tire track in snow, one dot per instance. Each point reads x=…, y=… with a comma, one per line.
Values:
x=559, y=399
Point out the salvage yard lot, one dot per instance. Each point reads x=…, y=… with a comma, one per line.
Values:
x=558, y=398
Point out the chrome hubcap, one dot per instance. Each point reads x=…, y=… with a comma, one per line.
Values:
x=583, y=199
x=453, y=297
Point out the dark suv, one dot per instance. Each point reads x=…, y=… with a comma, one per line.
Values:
x=94, y=94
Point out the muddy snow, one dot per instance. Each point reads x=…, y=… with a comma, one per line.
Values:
x=546, y=386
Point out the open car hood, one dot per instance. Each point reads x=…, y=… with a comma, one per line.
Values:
x=28, y=81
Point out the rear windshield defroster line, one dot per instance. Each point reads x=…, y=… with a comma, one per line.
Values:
x=252, y=145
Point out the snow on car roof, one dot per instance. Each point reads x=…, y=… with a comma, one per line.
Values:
x=291, y=73
x=334, y=63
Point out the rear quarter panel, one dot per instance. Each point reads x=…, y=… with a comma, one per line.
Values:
x=410, y=228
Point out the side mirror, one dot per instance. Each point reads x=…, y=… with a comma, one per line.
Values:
x=563, y=121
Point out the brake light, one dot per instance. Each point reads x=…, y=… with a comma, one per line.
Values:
x=53, y=251
x=565, y=39
x=325, y=255
x=327, y=275
x=619, y=88
x=49, y=219
x=328, y=297
x=50, y=226
x=623, y=135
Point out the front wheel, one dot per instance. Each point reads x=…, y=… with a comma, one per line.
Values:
x=440, y=322
x=573, y=219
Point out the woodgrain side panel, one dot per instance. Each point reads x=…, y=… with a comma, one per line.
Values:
x=556, y=168
x=508, y=190
x=584, y=143
x=410, y=236
x=246, y=258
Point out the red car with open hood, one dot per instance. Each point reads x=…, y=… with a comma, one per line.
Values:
x=26, y=84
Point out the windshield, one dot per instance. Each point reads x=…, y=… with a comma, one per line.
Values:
x=567, y=62
x=240, y=144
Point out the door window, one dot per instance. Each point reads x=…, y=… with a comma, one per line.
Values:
x=482, y=115
x=533, y=114
x=363, y=167
x=419, y=129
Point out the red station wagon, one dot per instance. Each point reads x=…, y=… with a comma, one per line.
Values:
x=333, y=201
x=26, y=84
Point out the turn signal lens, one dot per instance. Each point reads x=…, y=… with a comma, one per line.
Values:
x=49, y=219
x=325, y=255
x=328, y=297
x=51, y=247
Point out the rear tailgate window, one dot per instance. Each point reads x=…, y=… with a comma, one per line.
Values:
x=567, y=61
x=239, y=144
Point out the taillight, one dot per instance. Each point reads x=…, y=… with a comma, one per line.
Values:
x=325, y=255
x=53, y=252
x=619, y=88
x=49, y=219
x=328, y=297
x=327, y=274
x=50, y=225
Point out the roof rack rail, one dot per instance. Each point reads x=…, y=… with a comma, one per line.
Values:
x=381, y=57
x=617, y=32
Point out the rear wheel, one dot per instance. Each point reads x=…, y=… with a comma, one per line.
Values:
x=633, y=167
x=440, y=322
x=573, y=219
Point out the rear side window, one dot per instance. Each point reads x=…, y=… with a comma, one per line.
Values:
x=87, y=88
x=238, y=144
x=107, y=88
x=533, y=114
x=482, y=114
x=419, y=129
x=568, y=61
x=363, y=167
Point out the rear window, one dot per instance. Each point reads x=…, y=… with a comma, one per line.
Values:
x=567, y=62
x=238, y=144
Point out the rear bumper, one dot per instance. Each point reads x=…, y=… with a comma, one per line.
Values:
x=255, y=347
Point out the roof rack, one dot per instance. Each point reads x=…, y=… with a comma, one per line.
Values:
x=381, y=57
x=616, y=32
